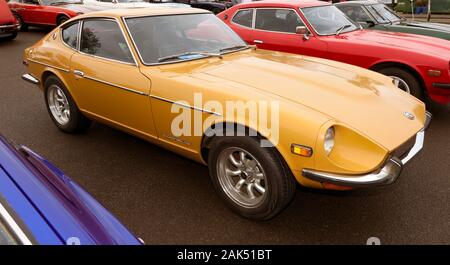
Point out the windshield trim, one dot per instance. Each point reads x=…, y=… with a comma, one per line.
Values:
x=387, y=20
x=124, y=20
x=358, y=27
x=12, y=225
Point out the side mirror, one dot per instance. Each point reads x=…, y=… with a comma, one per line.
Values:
x=370, y=23
x=302, y=30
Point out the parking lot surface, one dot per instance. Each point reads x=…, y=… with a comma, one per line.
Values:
x=166, y=199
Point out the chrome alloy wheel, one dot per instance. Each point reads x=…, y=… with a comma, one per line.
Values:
x=400, y=83
x=241, y=177
x=58, y=104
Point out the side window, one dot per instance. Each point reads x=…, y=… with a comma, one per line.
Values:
x=280, y=20
x=244, y=18
x=103, y=38
x=70, y=35
x=355, y=13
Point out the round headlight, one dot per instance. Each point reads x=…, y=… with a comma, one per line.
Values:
x=328, y=144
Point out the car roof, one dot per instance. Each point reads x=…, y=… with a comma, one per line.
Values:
x=284, y=3
x=366, y=2
x=141, y=12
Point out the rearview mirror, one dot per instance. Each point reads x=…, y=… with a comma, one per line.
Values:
x=370, y=23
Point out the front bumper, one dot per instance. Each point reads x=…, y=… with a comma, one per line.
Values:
x=8, y=29
x=386, y=175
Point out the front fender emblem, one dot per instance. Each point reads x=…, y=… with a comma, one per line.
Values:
x=409, y=115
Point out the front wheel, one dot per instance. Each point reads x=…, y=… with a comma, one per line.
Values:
x=404, y=80
x=252, y=180
x=22, y=26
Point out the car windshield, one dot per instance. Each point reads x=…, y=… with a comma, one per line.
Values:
x=6, y=238
x=61, y=2
x=328, y=20
x=182, y=37
x=383, y=14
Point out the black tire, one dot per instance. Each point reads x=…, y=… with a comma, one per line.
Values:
x=12, y=37
x=61, y=19
x=77, y=122
x=415, y=88
x=280, y=184
x=22, y=25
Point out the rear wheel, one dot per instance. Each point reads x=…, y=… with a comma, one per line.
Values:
x=61, y=20
x=252, y=180
x=62, y=108
x=22, y=25
x=404, y=80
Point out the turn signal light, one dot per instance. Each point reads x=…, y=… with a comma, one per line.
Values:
x=435, y=73
x=301, y=150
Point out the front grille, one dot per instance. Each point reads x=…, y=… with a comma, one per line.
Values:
x=403, y=150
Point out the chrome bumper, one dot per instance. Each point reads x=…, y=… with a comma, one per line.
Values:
x=384, y=176
x=31, y=79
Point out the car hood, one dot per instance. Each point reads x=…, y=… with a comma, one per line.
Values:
x=410, y=42
x=363, y=100
x=427, y=25
x=6, y=16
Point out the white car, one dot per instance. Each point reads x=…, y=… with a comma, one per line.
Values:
x=129, y=4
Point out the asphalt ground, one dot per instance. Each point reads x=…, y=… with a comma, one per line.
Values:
x=167, y=199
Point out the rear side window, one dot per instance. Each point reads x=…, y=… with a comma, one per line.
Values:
x=103, y=38
x=279, y=20
x=70, y=35
x=244, y=18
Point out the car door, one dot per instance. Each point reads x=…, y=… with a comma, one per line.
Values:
x=275, y=29
x=29, y=11
x=108, y=81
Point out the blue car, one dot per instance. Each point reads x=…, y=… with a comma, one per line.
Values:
x=41, y=205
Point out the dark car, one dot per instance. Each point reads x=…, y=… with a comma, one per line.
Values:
x=374, y=15
x=8, y=23
x=39, y=204
x=215, y=6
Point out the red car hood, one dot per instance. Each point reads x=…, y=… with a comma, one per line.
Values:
x=410, y=42
x=6, y=17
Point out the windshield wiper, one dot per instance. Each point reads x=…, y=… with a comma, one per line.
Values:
x=237, y=47
x=172, y=57
x=339, y=30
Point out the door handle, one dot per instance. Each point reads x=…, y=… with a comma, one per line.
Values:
x=78, y=73
x=258, y=41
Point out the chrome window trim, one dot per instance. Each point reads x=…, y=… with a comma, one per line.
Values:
x=185, y=105
x=49, y=65
x=104, y=58
x=282, y=32
x=113, y=85
x=174, y=61
x=13, y=226
x=314, y=29
x=242, y=26
x=78, y=35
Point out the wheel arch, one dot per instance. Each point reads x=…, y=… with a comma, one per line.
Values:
x=207, y=140
x=50, y=72
x=415, y=72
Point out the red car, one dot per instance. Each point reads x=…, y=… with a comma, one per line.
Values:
x=8, y=24
x=47, y=12
x=418, y=64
